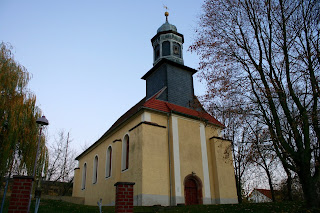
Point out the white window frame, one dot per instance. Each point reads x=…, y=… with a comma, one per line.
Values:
x=108, y=163
x=124, y=166
x=84, y=176
x=95, y=169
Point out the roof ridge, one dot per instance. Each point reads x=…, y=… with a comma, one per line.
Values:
x=158, y=105
x=157, y=94
x=133, y=110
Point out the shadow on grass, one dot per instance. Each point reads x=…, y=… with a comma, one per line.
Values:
x=56, y=206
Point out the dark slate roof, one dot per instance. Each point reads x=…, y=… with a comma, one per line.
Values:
x=158, y=105
x=167, y=27
x=164, y=60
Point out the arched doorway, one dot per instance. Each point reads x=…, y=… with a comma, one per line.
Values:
x=192, y=190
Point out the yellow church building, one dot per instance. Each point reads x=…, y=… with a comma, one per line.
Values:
x=167, y=144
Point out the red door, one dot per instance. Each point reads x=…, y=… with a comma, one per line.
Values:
x=191, y=192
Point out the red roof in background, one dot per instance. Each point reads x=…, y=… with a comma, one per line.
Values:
x=265, y=192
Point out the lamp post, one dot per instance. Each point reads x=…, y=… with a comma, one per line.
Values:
x=42, y=121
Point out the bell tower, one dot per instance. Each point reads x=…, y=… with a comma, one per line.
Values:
x=167, y=43
x=169, y=73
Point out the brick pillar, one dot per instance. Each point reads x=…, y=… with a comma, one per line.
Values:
x=124, y=196
x=20, y=194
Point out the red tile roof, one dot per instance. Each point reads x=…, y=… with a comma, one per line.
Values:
x=164, y=106
x=154, y=104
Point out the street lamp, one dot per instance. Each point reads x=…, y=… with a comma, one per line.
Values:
x=42, y=121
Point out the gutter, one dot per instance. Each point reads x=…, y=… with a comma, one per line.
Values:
x=169, y=150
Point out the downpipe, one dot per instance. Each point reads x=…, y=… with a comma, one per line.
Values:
x=169, y=153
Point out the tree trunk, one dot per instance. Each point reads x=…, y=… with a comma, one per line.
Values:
x=271, y=186
x=309, y=188
x=238, y=185
x=289, y=184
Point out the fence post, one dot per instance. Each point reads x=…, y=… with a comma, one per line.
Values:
x=20, y=195
x=124, y=197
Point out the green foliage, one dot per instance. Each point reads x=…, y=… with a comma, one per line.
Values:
x=18, y=114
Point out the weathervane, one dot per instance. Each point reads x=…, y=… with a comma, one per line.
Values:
x=166, y=13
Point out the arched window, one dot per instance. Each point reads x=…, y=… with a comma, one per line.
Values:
x=109, y=162
x=95, y=170
x=125, y=153
x=84, y=176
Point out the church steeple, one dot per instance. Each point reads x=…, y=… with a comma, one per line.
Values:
x=168, y=74
x=167, y=43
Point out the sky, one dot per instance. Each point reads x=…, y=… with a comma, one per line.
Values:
x=87, y=58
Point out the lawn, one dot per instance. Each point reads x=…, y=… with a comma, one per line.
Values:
x=54, y=206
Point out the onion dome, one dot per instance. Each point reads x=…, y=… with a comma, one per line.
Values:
x=167, y=26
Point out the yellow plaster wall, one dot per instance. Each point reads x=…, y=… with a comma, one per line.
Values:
x=159, y=118
x=134, y=172
x=190, y=149
x=223, y=171
x=173, y=193
x=211, y=131
x=149, y=160
x=104, y=188
x=155, y=163
x=76, y=182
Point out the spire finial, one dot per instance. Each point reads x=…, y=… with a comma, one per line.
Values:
x=166, y=13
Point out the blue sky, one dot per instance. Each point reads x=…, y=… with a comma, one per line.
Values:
x=87, y=57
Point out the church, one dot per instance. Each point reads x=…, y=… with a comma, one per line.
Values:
x=166, y=144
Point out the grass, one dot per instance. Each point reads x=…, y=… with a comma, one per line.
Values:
x=55, y=206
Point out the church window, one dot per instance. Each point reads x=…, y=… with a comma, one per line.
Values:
x=157, y=52
x=176, y=50
x=166, y=48
x=84, y=176
x=109, y=162
x=95, y=170
x=125, y=153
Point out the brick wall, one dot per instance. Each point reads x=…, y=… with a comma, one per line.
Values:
x=53, y=188
x=20, y=195
x=124, y=197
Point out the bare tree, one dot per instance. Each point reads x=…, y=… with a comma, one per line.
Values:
x=262, y=154
x=267, y=53
x=236, y=131
x=296, y=189
x=61, y=159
